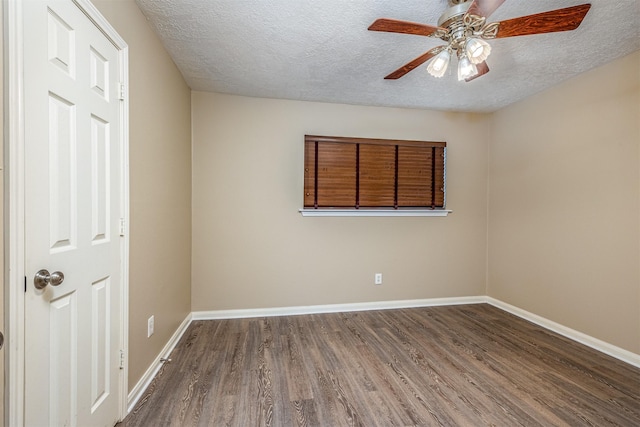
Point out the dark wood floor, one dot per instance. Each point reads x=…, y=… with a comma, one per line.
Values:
x=468, y=365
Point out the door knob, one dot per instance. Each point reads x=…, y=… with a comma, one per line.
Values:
x=43, y=278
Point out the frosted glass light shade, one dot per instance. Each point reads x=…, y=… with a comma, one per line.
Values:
x=466, y=69
x=439, y=64
x=477, y=50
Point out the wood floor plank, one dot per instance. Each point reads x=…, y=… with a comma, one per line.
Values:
x=454, y=365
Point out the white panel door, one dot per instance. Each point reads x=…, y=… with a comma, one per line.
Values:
x=73, y=203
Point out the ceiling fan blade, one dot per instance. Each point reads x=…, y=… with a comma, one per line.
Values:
x=484, y=7
x=415, y=63
x=566, y=19
x=404, y=27
x=483, y=69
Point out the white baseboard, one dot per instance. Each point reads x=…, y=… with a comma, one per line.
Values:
x=589, y=341
x=602, y=346
x=599, y=345
x=141, y=386
x=332, y=308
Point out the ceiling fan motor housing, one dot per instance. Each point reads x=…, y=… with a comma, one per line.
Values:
x=454, y=13
x=453, y=20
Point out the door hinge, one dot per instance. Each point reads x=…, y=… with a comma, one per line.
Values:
x=121, y=359
x=121, y=91
x=122, y=225
x=25, y=283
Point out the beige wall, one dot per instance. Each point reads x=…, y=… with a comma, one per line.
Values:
x=160, y=167
x=253, y=249
x=564, y=204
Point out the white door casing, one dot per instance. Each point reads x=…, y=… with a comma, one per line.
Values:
x=73, y=121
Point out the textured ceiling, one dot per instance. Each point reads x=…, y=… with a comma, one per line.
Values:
x=320, y=50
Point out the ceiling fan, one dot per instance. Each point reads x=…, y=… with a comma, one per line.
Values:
x=463, y=26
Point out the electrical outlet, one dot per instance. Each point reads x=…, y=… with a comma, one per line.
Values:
x=378, y=279
x=150, y=322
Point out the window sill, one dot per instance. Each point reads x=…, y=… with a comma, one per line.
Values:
x=374, y=212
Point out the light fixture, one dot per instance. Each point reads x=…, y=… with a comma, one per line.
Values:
x=439, y=64
x=466, y=35
x=468, y=46
x=477, y=50
x=466, y=68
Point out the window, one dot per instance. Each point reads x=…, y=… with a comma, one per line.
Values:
x=357, y=173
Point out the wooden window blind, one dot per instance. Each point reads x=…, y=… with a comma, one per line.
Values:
x=342, y=172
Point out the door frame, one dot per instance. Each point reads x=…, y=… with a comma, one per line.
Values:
x=15, y=279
